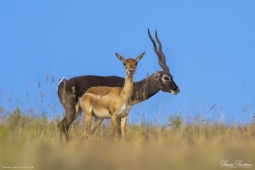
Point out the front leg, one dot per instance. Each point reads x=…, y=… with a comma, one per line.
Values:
x=113, y=123
x=119, y=126
x=123, y=126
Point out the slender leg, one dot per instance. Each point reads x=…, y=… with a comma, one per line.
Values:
x=63, y=130
x=68, y=102
x=65, y=124
x=85, y=104
x=118, y=126
x=123, y=126
x=113, y=123
x=87, y=117
x=96, y=123
x=78, y=112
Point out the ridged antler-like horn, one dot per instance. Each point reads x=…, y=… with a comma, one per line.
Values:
x=161, y=56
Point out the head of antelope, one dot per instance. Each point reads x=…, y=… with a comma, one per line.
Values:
x=130, y=64
x=165, y=79
x=166, y=82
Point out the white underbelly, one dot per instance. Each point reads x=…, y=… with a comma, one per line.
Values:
x=120, y=113
x=102, y=113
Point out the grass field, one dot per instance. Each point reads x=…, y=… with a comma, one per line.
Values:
x=32, y=142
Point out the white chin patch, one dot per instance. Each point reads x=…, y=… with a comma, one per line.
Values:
x=130, y=74
x=173, y=92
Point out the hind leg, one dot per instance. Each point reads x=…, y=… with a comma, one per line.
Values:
x=69, y=105
x=65, y=124
x=96, y=123
x=62, y=129
x=86, y=106
x=87, y=118
x=78, y=112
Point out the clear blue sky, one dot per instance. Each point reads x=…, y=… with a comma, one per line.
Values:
x=209, y=45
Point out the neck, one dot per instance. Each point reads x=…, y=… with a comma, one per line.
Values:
x=144, y=89
x=127, y=90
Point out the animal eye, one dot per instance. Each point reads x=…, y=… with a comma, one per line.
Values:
x=136, y=63
x=124, y=64
x=166, y=78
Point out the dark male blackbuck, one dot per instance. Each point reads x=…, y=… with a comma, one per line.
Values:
x=70, y=91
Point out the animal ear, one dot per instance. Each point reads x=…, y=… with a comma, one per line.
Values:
x=156, y=75
x=120, y=57
x=140, y=56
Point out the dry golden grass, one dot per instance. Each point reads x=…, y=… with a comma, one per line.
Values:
x=29, y=142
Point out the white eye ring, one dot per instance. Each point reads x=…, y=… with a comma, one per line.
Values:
x=166, y=78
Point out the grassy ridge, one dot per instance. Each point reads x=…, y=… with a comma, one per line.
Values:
x=30, y=142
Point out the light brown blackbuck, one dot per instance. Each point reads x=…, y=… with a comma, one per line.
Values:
x=110, y=102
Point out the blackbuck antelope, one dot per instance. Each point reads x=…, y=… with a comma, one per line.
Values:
x=110, y=102
x=69, y=91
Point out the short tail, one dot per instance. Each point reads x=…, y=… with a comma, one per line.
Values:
x=62, y=80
